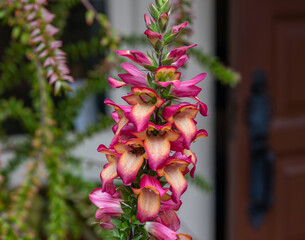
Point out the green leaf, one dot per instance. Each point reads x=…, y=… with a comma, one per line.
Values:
x=16, y=32
x=89, y=16
x=200, y=182
x=2, y=14
x=117, y=223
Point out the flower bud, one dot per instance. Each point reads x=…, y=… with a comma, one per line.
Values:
x=178, y=28
x=163, y=21
x=150, y=23
x=173, y=34
x=154, y=39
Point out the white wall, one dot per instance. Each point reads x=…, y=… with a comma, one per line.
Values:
x=197, y=211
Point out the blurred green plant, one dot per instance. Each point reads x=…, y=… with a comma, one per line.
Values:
x=52, y=200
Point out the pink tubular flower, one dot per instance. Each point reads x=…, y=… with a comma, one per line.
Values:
x=151, y=148
x=180, y=62
x=167, y=203
x=202, y=107
x=109, y=173
x=149, y=193
x=131, y=160
x=161, y=232
x=166, y=75
x=121, y=111
x=134, y=77
x=157, y=143
x=136, y=56
x=188, y=88
x=144, y=102
x=108, y=206
x=163, y=21
x=182, y=115
x=154, y=38
x=173, y=171
x=183, y=153
x=148, y=21
x=177, y=53
x=169, y=218
x=178, y=28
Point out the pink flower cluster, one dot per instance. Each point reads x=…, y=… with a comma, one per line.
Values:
x=150, y=151
x=46, y=47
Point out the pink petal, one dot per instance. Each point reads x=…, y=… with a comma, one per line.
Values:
x=133, y=80
x=148, y=205
x=157, y=147
x=170, y=219
x=160, y=231
x=53, y=79
x=202, y=107
x=136, y=56
x=148, y=20
x=130, y=161
x=115, y=83
x=182, y=91
x=180, y=62
x=182, y=115
x=147, y=180
x=194, y=80
x=177, y=53
x=170, y=204
x=47, y=16
x=154, y=38
x=177, y=29
x=105, y=220
x=105, y=200
x=149, y=198
x=173, y=174
x=143, y=106
x=133, y=70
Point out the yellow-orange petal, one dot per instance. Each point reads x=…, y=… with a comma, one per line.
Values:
x=148, y=205
x=128, y=166
x=173, y=174
x=183, y=236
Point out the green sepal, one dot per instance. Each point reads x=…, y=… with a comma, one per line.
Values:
x=115, y=231
x=167, y=62
x=150, y=68
x=162, y=21
x=159, y=3
x=154, y=27
x=170, y=38
x=151, y=82
x=158, y=46
x=154, y=12
x=166, y=7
